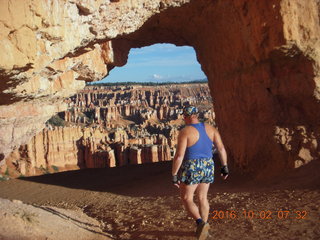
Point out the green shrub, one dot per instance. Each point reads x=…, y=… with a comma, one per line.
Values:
x=55, y=168
x=3, y=178
x=44, y=170
x=56, y=121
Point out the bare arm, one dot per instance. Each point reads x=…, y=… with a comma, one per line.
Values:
x=181, y=148
x=221, y=149
x=216, y=138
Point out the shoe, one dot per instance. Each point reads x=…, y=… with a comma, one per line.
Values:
x=202, y=231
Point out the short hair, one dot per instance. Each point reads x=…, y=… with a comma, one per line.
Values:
x=190, y=110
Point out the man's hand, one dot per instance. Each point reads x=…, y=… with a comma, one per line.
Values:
x=176, y=181
x=224, y=172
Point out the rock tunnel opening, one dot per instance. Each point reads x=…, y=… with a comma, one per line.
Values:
x=131, y=117
x=244, y=62
x=235, y=42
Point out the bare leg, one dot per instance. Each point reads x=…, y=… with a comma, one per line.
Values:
x=202, y=192
x=186, y=193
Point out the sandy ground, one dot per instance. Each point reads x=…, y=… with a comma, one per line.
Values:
x=23, y=221
x=139, y=202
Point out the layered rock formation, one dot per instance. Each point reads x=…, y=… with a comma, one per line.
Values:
x=261, y=58
x=69, y=148
x=97, y=138
x=141, y=104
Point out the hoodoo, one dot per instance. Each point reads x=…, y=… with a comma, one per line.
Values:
x=261, y=58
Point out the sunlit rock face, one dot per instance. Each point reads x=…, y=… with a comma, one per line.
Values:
x=50, y=48
x=71, y=148
x=261, y=58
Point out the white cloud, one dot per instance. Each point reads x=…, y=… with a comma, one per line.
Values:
x=157, y=76
x=169, y=78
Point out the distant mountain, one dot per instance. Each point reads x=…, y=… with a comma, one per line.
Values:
x=153, y=83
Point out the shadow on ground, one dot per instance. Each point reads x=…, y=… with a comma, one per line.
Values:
x=146, y=180
x=154, y=180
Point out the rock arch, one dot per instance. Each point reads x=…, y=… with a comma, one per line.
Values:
x=261, y=59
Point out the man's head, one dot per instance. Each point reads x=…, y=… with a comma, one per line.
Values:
x=190, y=112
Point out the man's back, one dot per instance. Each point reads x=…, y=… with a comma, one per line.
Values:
x=198, y=141
x=192, y=134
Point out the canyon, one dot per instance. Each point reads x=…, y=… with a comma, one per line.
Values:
x=109, y=126
x=261, y=59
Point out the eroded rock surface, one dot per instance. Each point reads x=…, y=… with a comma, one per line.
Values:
x=109, y=127
x=49, y=50
x=261, y=58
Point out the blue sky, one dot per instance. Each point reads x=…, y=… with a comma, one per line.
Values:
x=158, y=63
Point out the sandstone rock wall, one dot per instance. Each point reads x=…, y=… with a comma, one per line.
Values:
x=50, y=48
x=261, y=58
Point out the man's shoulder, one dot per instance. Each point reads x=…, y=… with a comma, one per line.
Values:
x=210, y=129
x=207, y=125
x=186, y=129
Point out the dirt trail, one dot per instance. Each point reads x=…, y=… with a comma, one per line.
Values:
x=138, y=202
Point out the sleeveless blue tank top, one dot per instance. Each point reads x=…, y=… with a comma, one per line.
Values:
x=203, y=147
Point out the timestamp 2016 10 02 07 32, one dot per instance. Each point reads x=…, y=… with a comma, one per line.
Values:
x=260, y=214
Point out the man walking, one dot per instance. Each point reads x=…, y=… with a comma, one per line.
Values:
x=194, y=162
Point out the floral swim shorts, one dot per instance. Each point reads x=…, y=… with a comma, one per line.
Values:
x=195, y=171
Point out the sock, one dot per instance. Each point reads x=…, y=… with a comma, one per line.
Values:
x=199, y=220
